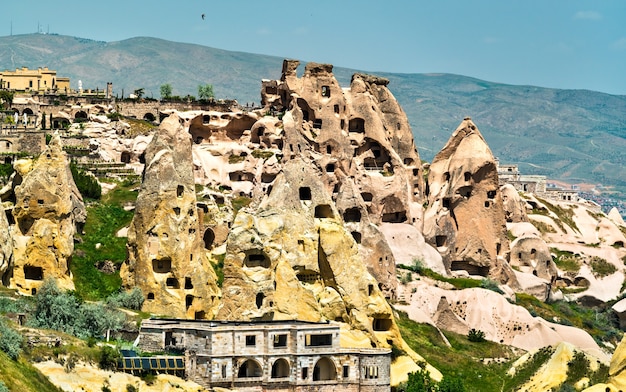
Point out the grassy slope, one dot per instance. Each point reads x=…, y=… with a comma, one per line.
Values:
x=462, y=360
x=22, y=376
x=104, y=219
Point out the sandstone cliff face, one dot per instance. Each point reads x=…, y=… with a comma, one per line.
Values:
x=514, y=206
x=361, y=143
x=465, y=216
x=291, y=258
x=48, y=208
x=617, y=376
x=166, y=258
x=6, y=249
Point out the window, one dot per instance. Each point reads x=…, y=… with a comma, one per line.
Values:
x=280, y=340
x=319, y=340
x=371, y=371
x=305, y=193
x=346, y=371
x=223, y=371
x=250, y=340
x=325, y=91
x=305, y=373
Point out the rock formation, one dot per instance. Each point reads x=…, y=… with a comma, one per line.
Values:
x=166, y=258
x=465, y=216
x=617, y=375
x=490, y=312
x=6, y=249
x=555, y=371
x=361, y=142
x=292, y=259
x=514, y=206
x=48, y=208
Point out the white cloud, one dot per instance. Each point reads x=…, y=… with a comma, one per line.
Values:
x=587, y=15
x=263, y=31
x=620, y=44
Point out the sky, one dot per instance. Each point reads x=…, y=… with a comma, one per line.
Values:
x=569, y=44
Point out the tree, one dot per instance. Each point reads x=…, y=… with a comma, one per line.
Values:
x=139, y=92
x=419, y=381
x=166, y=91
x=6, y=99
x=206, y=91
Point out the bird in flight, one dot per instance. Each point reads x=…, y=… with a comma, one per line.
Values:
x=203, y=16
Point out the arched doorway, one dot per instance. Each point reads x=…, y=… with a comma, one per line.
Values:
x=80, y=115
x=250, y=368
x=125, y=158
x=149, y=117
x=324, y=370
x=209, y=237
x=280, y=368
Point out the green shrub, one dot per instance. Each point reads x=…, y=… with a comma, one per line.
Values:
x=601, y=268
x=265, y=154
x=148, y=377
x=132, y=299
x=419, y=381
x=236, y=159
x=476, y=335
x=108, y=358
x=566, y=261
x=491, y=285
x=3, y=387
x=87, y=184
x=451, y=384
x=65, y=311
x=10, y=341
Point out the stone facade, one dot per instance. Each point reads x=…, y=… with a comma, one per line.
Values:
x=14, y=142
x=272, y=356
x=41, y=79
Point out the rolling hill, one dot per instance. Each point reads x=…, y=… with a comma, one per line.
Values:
x=570, y=135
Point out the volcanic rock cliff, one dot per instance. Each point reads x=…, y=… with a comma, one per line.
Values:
x=166, y=258
x=48, y=209
x=465, y=217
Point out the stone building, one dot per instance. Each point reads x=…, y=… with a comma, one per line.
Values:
x=268, y=355
x=41, y=79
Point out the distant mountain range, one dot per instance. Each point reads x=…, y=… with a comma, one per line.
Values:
x=570, y=135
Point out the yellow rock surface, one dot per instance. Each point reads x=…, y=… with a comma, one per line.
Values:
x=90, y=379
x=617, y=376
x=554, y=372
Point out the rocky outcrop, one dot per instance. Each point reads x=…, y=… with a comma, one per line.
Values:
x=532, y=255
x=6, y=249
x=465, y=218
x=617, y=376
x=616, y=217
x=48, y=208
x=293, y=259
x=490, y=312
x=556, y=370
x=514, y=205
x=166, y=256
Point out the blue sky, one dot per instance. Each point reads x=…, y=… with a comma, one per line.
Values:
x=563, y=44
